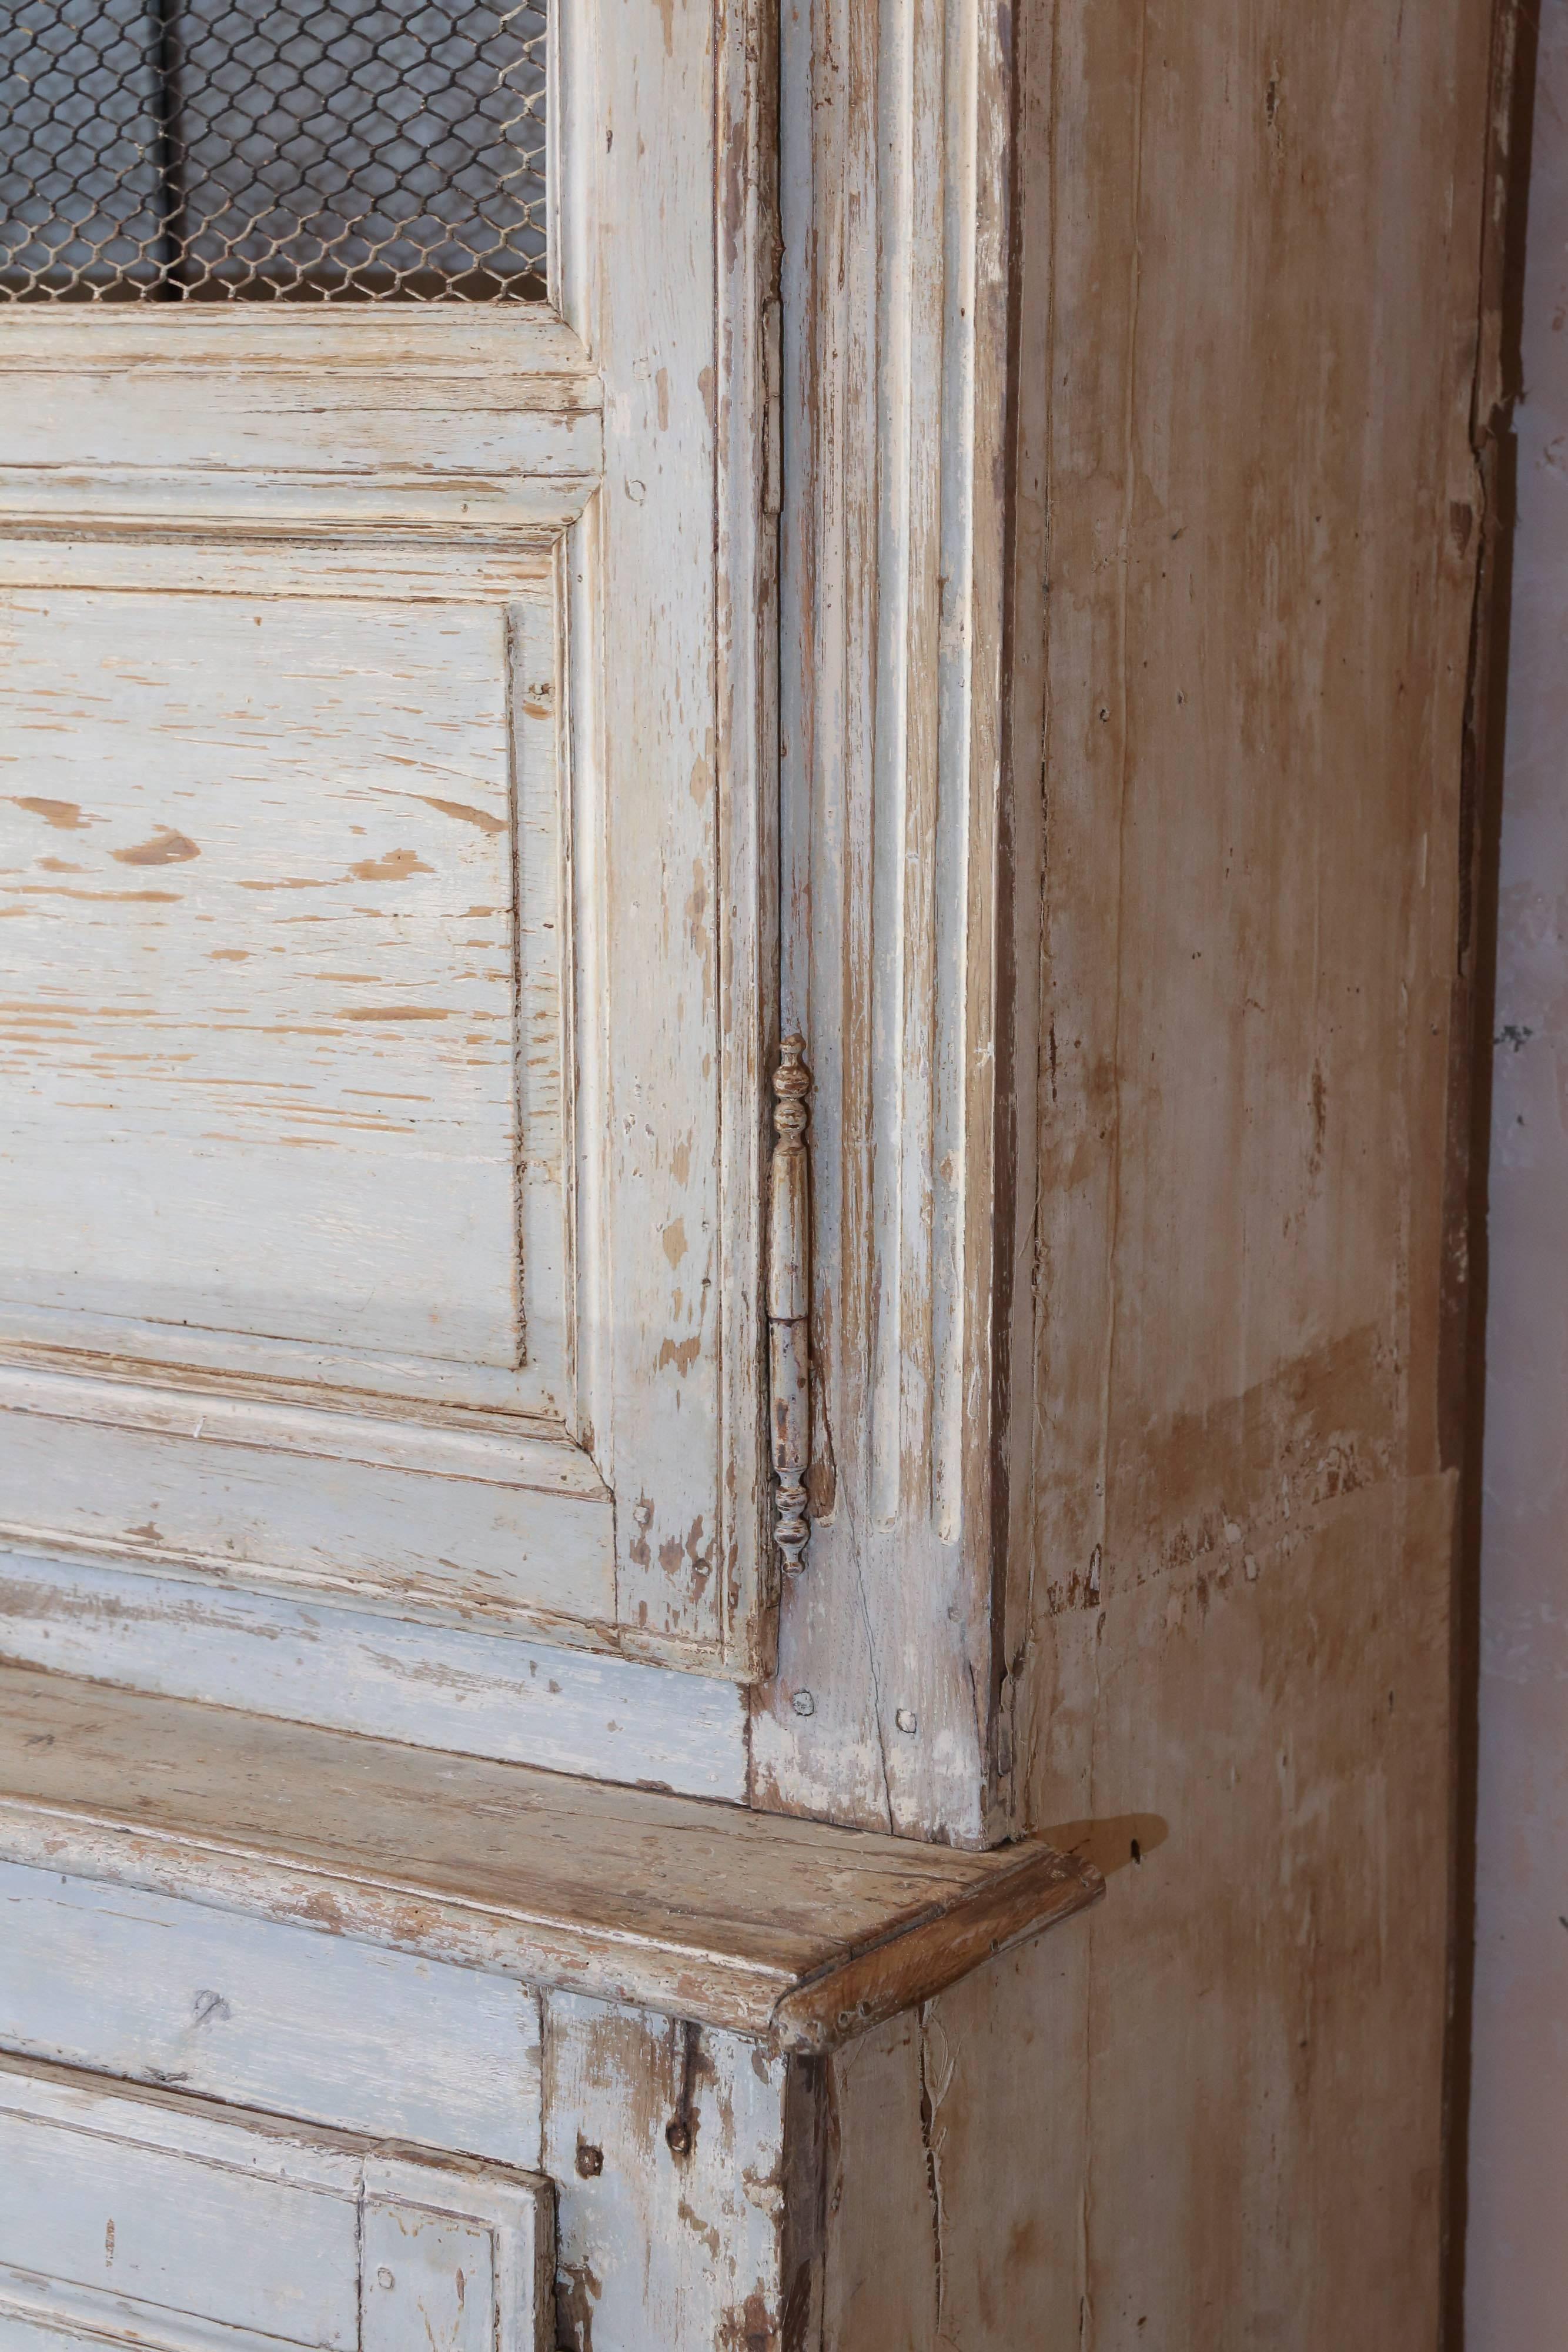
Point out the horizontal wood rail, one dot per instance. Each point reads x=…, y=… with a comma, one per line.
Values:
x=800, y=1934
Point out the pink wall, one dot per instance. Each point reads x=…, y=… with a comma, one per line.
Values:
x=1517, y=2253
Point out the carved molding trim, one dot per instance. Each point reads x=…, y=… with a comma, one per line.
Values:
x=789, y=1299
x=909, y=860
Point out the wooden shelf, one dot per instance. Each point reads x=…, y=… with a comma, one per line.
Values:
x=788, y=1930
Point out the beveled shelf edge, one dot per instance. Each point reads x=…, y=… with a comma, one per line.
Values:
x=670, y=1961
x=881, y=1980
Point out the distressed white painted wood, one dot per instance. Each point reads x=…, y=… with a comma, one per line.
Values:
x=233, y=422
x=505, y=1541
x=679, y=863
x=795, y=1933
x=905, y=885
x=668, y=2146
x=340, y=2033
x=132, y=2219
x=470, y=1694
x=273, y=1518
x=387, y=844
x=427, y=562
x=281, y=884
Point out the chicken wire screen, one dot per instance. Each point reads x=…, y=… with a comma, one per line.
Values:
x=282, y=150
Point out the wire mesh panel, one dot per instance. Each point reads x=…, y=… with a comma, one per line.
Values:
x=284, y=150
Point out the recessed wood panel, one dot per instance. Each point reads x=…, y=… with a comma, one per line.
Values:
x=138, y=2219
x=262, y=967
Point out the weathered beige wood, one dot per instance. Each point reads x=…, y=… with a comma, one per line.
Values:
x=131, y=2219
x=1234, y=1609
x=788, y=1930
x=748, y=487
x=957, y=2189
x=1231, y=1610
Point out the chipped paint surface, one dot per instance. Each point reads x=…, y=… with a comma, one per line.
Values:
x=246, y=2229
x=898, y=879
x=385, y=821
x=1120, y=928
x=676, y=2236
x=466, y=1691
x=188, y=1147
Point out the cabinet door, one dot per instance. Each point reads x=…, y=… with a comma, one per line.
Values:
x=126, y=2220
x=383, y=594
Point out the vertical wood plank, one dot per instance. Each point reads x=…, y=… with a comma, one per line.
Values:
x=1264, y=523
x=956, y=2198
x=670, y=729
x=897, y=856
x=667, y=2149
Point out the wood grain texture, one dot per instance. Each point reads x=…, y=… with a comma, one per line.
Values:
x=472, y=1694
x=257, y=867
x=786, y=1930
x=299, y=559
x=748, y=484
x=662, y=118
x=283, y=539
x=158, y=418
x=132, y=2219
x=518, y=1534
x=1227, y=1600
x=325, y=1067
x=1253, y=2067
x=265, y=2016
x=898, y=883
x=1264, y=508
x=668, y=2147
